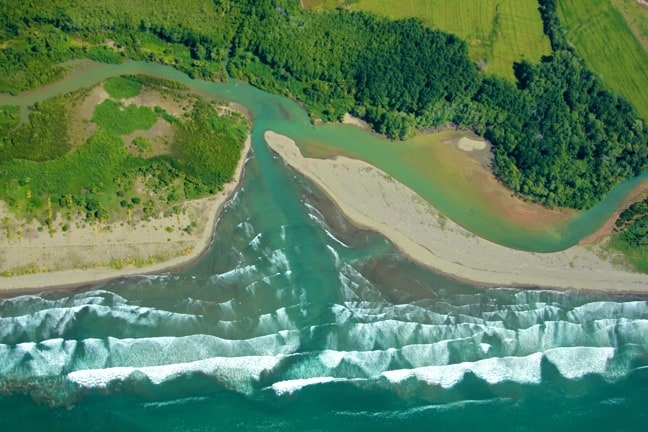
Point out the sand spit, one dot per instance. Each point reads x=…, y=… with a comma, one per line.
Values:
x=374, y=200
x=105, y=251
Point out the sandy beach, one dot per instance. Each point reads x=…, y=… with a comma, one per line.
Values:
x=104, y=251
x=372, y=199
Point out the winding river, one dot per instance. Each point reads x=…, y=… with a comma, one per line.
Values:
x=414, y=163
x=296, y=320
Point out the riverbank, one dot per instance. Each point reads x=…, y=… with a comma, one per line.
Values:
x=372, y=199
x=105, y=251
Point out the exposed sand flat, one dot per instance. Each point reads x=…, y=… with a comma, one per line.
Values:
x=372, y=199
x=348, y=119
x=467, y=144
x=104, y=251
x=152, y=98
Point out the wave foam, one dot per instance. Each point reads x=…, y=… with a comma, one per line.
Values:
x=523, y=370
x=290, y=386
x=236, y=370
x=576, y=362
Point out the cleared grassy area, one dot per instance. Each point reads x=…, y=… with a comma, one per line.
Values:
x=122, y=87
x=637, y=19
x=602, y=37
x=115, y=118
x=325, y=4
x=498, y=32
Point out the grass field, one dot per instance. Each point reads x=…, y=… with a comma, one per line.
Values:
x=637, y=19
x=602, y=37
x=498, y=32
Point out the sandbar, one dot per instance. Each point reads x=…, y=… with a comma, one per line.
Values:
x=105, y=251
x=372, y=199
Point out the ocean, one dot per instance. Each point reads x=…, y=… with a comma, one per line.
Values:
x=297, y=320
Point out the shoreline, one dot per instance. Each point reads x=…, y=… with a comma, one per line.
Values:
x=372, y=199
x=607, y=229
x=195, y=245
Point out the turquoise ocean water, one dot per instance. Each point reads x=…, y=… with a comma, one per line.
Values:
x=296, y=320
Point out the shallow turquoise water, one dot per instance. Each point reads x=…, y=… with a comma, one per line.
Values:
x=295, y=320
x=286, y=117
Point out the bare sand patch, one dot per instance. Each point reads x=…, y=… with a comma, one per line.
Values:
x=355, y=121
x=371, y=199
x=474, y=147
x=111, y=44
x=152, y=98
x=468, y=145
x=85, y=111
x=81, y=126
x=38, y=259
x=160, y=135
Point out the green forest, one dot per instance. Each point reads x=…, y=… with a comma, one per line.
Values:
x=560, y=137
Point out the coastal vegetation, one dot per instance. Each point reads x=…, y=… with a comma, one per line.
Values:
x=43, y=138
x=560, y=136
x=602, y=37
x=631, y=236
x=41, y=175
x=123, y=87
x=113, y=116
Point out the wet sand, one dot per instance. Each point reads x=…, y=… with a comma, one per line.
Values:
x=372, y=199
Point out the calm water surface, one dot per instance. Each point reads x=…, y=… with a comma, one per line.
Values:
x=295, y=320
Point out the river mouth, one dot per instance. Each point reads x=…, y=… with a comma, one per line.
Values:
x=295, y=320
x=449, y=179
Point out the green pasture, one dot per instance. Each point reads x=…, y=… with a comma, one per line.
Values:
x=498, y=32
x=602, y=37
x=637, y=19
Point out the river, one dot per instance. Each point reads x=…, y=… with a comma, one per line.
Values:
x=296, y=320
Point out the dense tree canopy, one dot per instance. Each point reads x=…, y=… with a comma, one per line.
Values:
x=559, y=137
